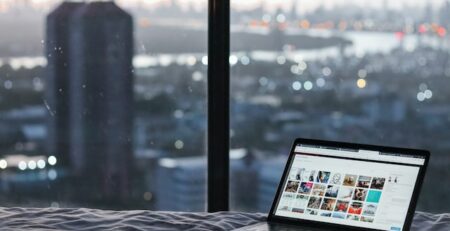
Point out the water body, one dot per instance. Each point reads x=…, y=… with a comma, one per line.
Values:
x=361, y=43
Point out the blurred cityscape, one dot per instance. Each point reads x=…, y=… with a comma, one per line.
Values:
x=330, y=71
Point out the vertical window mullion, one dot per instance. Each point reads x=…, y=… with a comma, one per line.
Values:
x=218, y=105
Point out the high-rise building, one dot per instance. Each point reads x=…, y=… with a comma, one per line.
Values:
x=98, y=103
x=428, y=16
x=57, y=93
x=294, y=10
x=444, y=15
x=180, y=183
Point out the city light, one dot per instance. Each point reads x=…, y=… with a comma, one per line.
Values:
x=263, y=81
x=302, y=65
x=167, y=163
x=8, y=84
x=22, y=165
x=308, y=85
x=54, y=204
x=245, y=60
x=362, y=73
x=205, y=60
x=361, y=83
x=298, y=58
x=420, y=96
x=428, y=94
x=37, y=84
x=423, y=87
x=178, y=114
x=441, y=31
x=179, y=144
x=304, y=24
x=197, y=76
x=51, y=160
x=281, y=18
x=191, y=60
x=165, y=60
x=281, y=60
x=41, y=164
x=267, y=18
x=233, y=60
x=422, y=29
x=142, y=61
x=320, y=82
x=52, y=174
x=32, y=164
x=399, y=35
x=425, y=94
x=148, y=196
x=3, y=164
x=326, y=71
x=294, y=69
x=296, y=85
x=181, y=60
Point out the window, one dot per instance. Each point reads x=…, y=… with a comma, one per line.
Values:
x=114, y=114
x=110, y=111
x=369, y=72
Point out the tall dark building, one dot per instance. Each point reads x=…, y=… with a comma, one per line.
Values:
x=100, y=99
x=57, y=93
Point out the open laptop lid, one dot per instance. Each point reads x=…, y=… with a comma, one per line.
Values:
x=351, y=186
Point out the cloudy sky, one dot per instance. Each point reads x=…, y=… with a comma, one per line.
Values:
x=306, y=5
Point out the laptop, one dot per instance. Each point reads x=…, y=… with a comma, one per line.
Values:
x=330, y=185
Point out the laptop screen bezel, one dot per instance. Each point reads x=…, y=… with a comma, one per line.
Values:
x=405, y=151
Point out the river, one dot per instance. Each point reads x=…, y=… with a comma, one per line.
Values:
x=363, y=42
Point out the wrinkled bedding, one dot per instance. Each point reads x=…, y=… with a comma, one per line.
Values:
x=91, y=219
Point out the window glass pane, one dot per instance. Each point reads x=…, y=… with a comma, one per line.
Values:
x=370, y=72
x=103, y=104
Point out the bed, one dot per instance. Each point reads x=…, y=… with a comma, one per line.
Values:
x=92, y=219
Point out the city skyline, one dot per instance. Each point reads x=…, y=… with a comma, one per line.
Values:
x=341, y=74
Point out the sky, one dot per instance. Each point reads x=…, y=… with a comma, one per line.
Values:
x=305, y=5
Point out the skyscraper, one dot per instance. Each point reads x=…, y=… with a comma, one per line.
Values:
x=100, y=99
x=57, y=93
x=294, y=10
x=444, y=15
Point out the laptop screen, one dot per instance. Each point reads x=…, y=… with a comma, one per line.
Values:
x=362, y=188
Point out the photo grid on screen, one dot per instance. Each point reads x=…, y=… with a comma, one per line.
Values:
x=337, y=195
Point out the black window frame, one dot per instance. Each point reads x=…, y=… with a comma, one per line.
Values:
x=218, y=133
